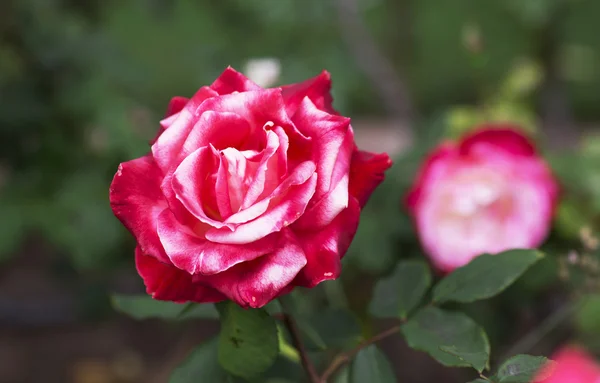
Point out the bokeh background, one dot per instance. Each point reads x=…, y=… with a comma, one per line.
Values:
x=83, y=85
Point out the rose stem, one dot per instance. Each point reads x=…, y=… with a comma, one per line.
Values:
x=292, y=327
x=345, y=357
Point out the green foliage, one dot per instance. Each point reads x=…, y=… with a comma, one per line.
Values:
x=145, y=307
x=398, y=294
x=476, y=359
x=485, y=276
x=432, y=328
x=371, y=365
x=83, y=87
x=248, y=342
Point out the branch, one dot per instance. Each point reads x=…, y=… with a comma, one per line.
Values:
x=345, y=357
x=292, y=327
x=380, y=71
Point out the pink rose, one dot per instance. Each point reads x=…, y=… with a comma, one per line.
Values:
x=573, y=365
x=487, y=193
x=247, y=192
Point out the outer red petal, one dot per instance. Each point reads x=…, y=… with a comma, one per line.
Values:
x=256, y=283
x=503, y=136
x=317, y=89
x=167, y=283
x=367, y=171
x=176, y=105
x=325, y=248
x=136, y=200
x=233, y=81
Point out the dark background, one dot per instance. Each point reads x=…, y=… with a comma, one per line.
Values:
x=84, y=83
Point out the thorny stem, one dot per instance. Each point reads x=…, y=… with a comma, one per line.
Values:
x=292, y=327
x=344, y=357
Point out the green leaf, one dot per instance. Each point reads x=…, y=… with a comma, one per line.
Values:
x=479, y=380
x=248, y=342
x=201, y=366
x=398, y=294
x=524, y=369
x=145, y=307
x=371, y=365
x=478, y=359
x=485, y=276
x=432, y=328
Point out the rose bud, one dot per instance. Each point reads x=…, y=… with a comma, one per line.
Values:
x=572, y=365
x=487, y=193
x=246, y=193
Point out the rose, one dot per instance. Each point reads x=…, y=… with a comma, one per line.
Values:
x=247, y=192
x=487, y=193
x=573, y=365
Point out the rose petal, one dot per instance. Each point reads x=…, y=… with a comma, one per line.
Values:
x=367, y=171
x=434, y=166
x=219, y=129
x=333, y=142
x=175, y=205
x=257, y=107
x=233, y=81
x=136, y=200
x=316, y=88
x=292, y=198
x=222, y=188
x=505, y=137
x=169, y=144
x=176, y=104
x=194, y=184
x=321, y=213
x=332, y=151
x=254, y=284
x=325, y=248
x=196, y=255
x=167, y=283
x=266, y=175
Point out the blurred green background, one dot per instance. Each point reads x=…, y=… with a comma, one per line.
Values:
x=83, y=85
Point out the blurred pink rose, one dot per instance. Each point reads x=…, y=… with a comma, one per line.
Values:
x=487, y=193
x=573, y=365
